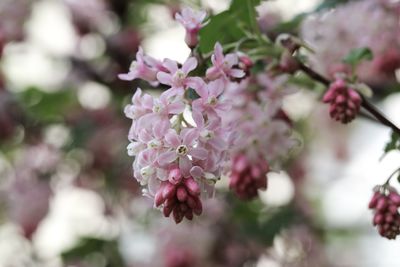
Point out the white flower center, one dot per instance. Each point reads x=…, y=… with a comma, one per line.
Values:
x=179, y=75
x=206, y=134
x=133, y=66
x=154, y=143
x=212, y=100
x=182, y=150
x=133, y=148
x=157, y=108
x=147, y=171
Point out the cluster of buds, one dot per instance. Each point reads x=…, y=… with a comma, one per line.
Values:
x=167, y=141
x=248, y=177
x=263, y=135
x=344, y=101
x=179, y=196
x=385, y=203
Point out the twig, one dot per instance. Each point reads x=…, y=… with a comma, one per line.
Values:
x=368, y=106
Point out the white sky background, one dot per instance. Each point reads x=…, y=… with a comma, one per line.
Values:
x=345, y=188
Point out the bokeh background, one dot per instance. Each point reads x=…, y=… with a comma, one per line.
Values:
x=67, y=195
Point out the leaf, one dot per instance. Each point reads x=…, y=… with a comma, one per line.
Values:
x=229, y=26
x=355, y=56
x=45, y=106
x=393, y=144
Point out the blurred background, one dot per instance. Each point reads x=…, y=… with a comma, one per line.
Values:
x=67, y=195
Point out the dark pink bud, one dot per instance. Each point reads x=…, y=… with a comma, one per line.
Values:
x=395, y=198
x=167, y=210
x=192, y=187
x=169, y=191
x=382, y=204
x=175, y=176
x=189, y=215
x=378, y=219
x=198, y=209
x=158, y=199
x=178, y=215
x=181, y=194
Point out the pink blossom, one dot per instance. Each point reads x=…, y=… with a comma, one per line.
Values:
x=180, y=147
x=192, y=21
x=178, y=78
x=224, y=66
x=144, y=67
x=209, y=101
x=162, y=110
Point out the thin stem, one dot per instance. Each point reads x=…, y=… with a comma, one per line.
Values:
x=391, y=175
x=368, y=106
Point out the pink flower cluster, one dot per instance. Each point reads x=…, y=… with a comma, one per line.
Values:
x=180, y=142
x=347, y=28
x=385, y=203
x=263, y=138
x=344, y=101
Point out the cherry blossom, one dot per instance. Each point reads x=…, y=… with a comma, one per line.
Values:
x=144, y=67
x=224, y=65
x=192, y=21
x=178, y=78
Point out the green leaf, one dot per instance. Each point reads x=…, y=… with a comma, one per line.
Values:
x=355, y=56
x=393, y=144
x=229, y=26
x=47, y=107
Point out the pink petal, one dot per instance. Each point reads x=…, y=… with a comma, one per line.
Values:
x=189, y=136
x=127, y=76
x=198, y=119
x=153, y=185
x=218, y=53
x=171, y=65
x=237, y=73
x=176, y=108
x=196, y=172
x=161, y=128
x=199, y=153
x=218, y=143
x=172, y=139
x=216, y=87
x=231, y=59
x=185, y=165
x=167, y=157
x=189, y=65
x=213, y=73
x=164, y=78
x=199, y=87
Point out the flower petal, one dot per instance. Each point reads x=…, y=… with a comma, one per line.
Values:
x=198, y=153
x=189, y=135
x=172, y=139
x=189, y=65
x=196, y=172
x=167, y=157
x=185, y=165
x=161, y=128
x=164, y=78
x=127, y=76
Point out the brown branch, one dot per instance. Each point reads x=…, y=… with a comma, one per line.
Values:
x=368, y=106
